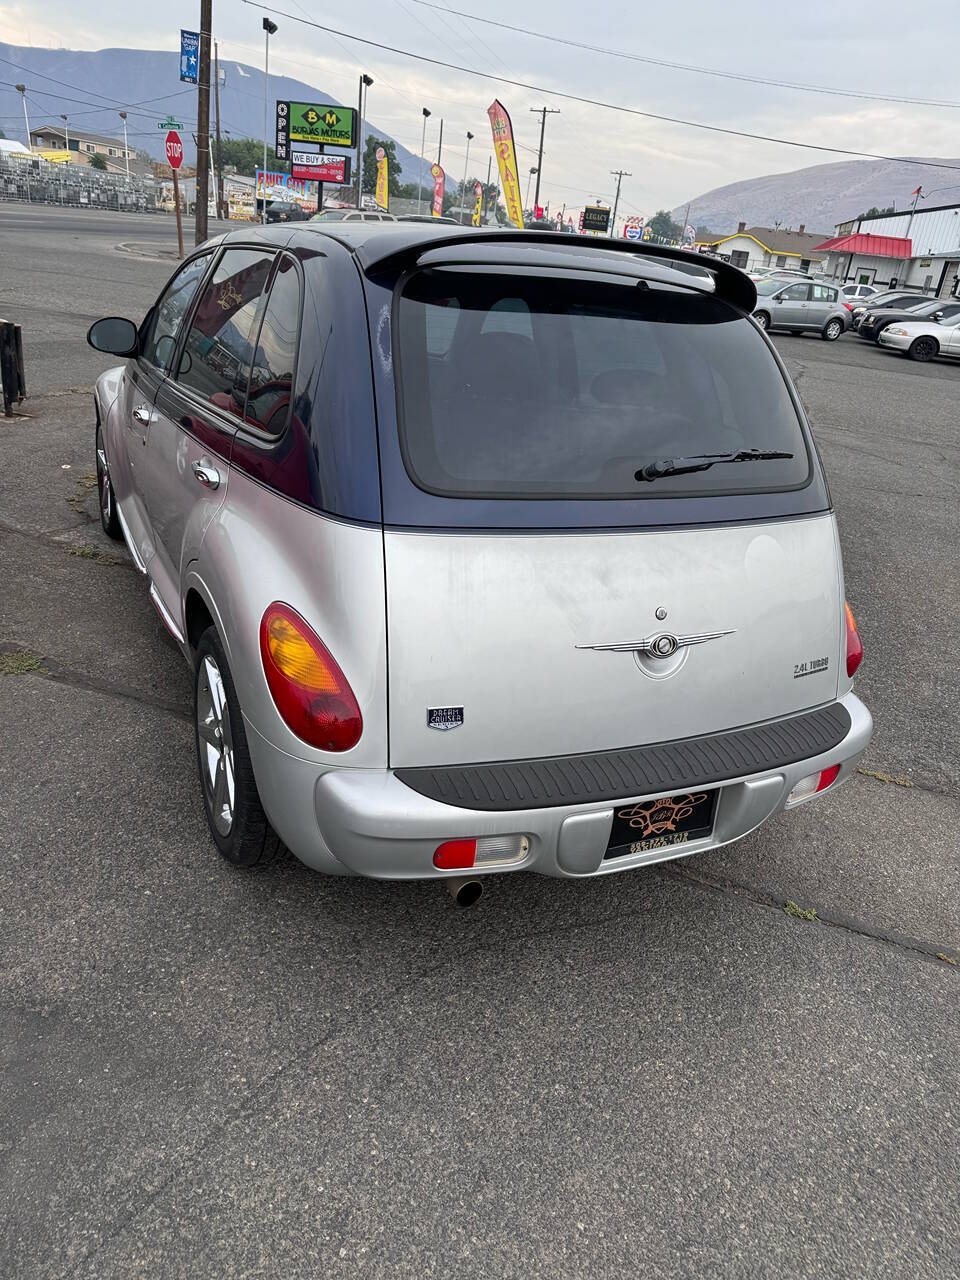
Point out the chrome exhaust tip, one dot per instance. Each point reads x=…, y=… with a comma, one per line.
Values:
x=464, y=890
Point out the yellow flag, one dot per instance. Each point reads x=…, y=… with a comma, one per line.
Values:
x=383, y=180
x=506, y=160
x=478, y=205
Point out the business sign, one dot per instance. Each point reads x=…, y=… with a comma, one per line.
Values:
x=383, y=179
x=280, y=186
x=439, y=180
x=174, y=149
x=189, y=56
x=313, y=166
x=506, y=154
x=323, y=123
x=282, y=143
x=595, y=218
x=633, y=232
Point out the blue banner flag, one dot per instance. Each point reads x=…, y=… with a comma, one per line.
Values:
x=189, y=55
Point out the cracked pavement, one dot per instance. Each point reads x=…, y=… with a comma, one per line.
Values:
x=661, y=1073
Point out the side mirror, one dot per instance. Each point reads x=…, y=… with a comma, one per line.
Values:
x=114, y=335
x=937, y=316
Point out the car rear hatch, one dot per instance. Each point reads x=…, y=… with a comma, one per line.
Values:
x=541, y=599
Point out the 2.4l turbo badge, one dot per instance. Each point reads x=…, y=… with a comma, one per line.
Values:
x=444, y=717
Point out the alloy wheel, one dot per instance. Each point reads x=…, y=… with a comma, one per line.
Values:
x=216, y=745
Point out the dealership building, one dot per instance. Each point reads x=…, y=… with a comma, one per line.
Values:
x=917, y=250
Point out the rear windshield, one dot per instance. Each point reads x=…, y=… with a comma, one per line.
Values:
x=536, y=387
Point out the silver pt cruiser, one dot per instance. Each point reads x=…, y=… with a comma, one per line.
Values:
x=488, y=551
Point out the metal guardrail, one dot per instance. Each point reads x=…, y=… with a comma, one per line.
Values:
x=11, y=366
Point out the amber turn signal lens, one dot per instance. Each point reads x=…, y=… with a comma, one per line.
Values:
x=854, y=645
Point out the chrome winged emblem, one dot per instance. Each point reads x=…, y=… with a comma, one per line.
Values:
x=662, y=645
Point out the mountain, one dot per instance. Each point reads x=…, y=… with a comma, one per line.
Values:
x=72, y=82
x=819, y=197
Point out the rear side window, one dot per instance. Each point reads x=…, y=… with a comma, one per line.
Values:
x=539, y=387
x=271, y=379
x=217, y=355
x=823, y=293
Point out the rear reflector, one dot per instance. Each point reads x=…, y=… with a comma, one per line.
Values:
x=811, y=784
x=854, y=645
x=486, y=851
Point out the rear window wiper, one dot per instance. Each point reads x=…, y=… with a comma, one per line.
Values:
x=701, y=461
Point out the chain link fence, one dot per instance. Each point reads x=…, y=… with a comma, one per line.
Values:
x=37, y=181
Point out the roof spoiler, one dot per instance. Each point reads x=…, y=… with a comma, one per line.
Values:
x=387, y=252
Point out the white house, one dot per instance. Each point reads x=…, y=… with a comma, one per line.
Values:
x=751, y=247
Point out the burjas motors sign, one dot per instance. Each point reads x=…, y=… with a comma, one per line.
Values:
x=322, y=123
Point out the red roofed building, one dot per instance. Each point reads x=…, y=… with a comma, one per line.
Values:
x=916, y=249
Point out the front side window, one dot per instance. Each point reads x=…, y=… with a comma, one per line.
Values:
x=219, y=348
x=547, y=387
x=158, y=334
x=271, y=379
x=796, y=293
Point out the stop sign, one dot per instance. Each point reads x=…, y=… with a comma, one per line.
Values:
x=174, y=149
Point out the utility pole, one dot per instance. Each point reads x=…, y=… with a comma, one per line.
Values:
x=216, y=99
x=543, y=112
x=619, y=174
x=22, y=90
x=126, y=153
x=203, y=122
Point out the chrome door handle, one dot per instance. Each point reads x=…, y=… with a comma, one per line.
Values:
x=141, y=414
x=208, y=476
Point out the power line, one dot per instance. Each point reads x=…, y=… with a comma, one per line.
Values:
x=596, y=102
x=686, y=66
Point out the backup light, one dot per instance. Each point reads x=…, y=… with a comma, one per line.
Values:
x=309, y=689
x=484, y=851
x=811, y=784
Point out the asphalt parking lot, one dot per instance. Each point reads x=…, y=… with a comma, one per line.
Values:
x=668, y=1073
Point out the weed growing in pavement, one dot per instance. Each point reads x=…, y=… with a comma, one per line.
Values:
x=86, y=552
x=885, y=777
x=21, y=664
x=791, y=909
x=942, y=955
x=86, y=483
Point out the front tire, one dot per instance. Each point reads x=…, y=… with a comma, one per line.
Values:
x=923, y=349
x=762, y=319
x=109, y=520
x=231, y=801
x=832, y=330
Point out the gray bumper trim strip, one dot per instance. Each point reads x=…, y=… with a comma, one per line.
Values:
x=633, y=771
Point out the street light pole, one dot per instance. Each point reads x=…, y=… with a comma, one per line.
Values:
x=533, y=171
x=269, y=29
x=365, y=83
x=66, y=138
x=423, y=144
x=464, y=182
x=22, y=90
x=126, y=154
x=440, y=143
x=543, y=112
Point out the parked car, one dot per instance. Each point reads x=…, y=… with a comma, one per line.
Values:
x=889, y=300
x=286, y=211
x=924, y=339
x=366, y=539
x=353, y=215
x=873, y=323
x=800, y=306
x=428, y=218
x=857, y=292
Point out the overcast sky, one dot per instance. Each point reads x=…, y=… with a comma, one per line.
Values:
x=874, y=48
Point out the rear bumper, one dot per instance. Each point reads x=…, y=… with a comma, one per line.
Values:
x=369, y=822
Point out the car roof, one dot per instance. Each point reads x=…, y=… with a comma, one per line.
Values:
x=384, y=246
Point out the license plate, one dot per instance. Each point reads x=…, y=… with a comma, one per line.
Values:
x=661, y=823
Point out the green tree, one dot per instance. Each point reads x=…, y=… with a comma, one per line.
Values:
x=663, y=227
x=246, y=155
x=2, y=134
x=394, y=167
x=97, y=161
x=874, y=212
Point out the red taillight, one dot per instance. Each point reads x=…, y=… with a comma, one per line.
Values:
x=828, y=777
x=854, y=647
x=455, y=855
x=848, y=305
x=309, y=689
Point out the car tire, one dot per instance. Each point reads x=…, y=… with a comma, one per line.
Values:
x=236, y=819
x=762, y=319
x=109, y=520
x=923, y=349
x=832, y=330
